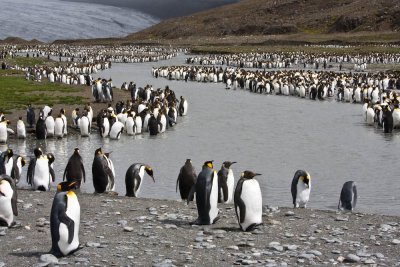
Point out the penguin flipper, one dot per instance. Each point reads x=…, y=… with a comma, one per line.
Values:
x=63, y=217
x=65, y=171
x=31, y=171
x=191, y=194
x=239, y=202
x=83, y=172
x=14, y=201
x=294, y=190
x=354, y=196
x=52, y=174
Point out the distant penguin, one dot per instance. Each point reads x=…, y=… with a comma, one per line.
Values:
x=4, y=130
x=153, y=125
x=75, y=170
x=105, y=127
x=30, y=116
x=84, y=126
x=40, y=171
x=130, y=125
x=7, y=162
x=16, y=171
x=116, y=130
x=64, y=223
x=41, y=132
x=49, y=125
x=138, y=124
x=102, y=172
x=186, y=180
x=387, y=119
x=226, y=182
x=21, y=131
x=206, y=189
x=301, y=188
x=64, y=118
x=134, y=178
x=248, y=201
x=59, y=127
x=348, y=196
x=8, y=201
x=183, y=107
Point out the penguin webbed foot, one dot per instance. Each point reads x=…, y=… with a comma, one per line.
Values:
x=252, y=227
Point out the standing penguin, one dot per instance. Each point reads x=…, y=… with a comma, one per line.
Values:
x=387, y=119
x=6, y=162
x=226, y=182
x=21, y=131
x=64, y=223
x=206, y=189
x=134, y=177
x=8, y=200
x=49, y=121
x=16, y=172
x=30, y=116
x=41, y=132
x=301, y=188
x=40, y=171
x=84, y=125
x=75, y=170
x=59, y=127
x=186, y=180
x=348, y=196
x=248, y=201
x=103, y=172
x=4, y=130
x=116, y=130
x=183, y=107
x=153, y=125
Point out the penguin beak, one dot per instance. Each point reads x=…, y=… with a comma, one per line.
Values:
x=150, y=173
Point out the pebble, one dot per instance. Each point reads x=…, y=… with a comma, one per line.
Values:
x=92, y=244
x=128, y=229
x=122, y=222
x=170, y=226
x=352, y=258
x=306, y=256
x=379, y=255
x=314, y=252
x=290, y=247
x=341, y=219
x=289, y=213
x=233, y=247
x=395, y=241
x=49, y=259
x=2, y=264
x=369, y=261
x=289, y=235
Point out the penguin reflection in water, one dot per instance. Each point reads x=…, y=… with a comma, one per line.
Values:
x=206, y=189
x=348, y=196
x=301, y=188
x=8, y=201
x=103, y=172
x=248, y=201
x=134, y=178
x=64, y=220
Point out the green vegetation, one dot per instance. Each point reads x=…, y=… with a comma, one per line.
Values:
x=16, y=92
x=27, y=61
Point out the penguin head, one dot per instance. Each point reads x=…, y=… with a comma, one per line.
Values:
x=149, y=171
x=98, y=152
x=228, y=164
x=50, y=157
x=8, y=122
x=248, y=175
x=23, y=161
x=76, y=150
x=303, y=177
x=38, y=152
x=10, y=153
x=66, y=186
x=208, y=164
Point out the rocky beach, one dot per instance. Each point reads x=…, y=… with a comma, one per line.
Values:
x=122, y=231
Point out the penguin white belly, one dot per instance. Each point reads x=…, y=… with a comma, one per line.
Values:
x=84, y=126
x=65, y=124
x=370, y=116
x=302, y=195
x=141, y=175
x=252, y=199
x=111, y=166
x=74, y=214
x=3, y=133
x=50, y=126
x=213, y=213
x=9, y=166
x=21, y=132
x=6, y=212
x=146, y=123
x=231, y=184
x=138, y=123
x=59, y=127
x=396, y=118
x=185, y=108
x=106, y=126
x=116, y=129
x=129, y=126
x=42, y=174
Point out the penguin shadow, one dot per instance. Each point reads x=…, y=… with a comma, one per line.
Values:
x=232, y=229
x=29, y=254
x=179, y=223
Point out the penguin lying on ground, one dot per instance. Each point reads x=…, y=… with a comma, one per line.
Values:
x=8, y=201
x=134, y=178
x=248, y=201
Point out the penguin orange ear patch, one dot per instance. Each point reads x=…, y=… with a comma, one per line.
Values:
x=210, y=165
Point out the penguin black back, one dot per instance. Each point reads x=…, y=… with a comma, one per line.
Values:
x=186, y=179
x=75, y=170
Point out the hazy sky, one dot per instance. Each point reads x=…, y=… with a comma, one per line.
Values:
x=163, y=9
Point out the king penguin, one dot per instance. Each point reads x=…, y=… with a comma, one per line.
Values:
x=186, y=179
x=348, y=196
x=40, y=171
x=16, y=172
x=206, y=189
x=21, y=130
x=226, y=182
x=41, y=132
x=103, y=172
x=75, y=170
x=248, y=201
x=134, y=178
x=8, y=200
x=301, y=188
x=64, y=223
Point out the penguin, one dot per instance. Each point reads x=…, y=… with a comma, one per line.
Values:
x=30, y=116
x=134, y=177
x=153, y=125
x=21, y=131
x=248, y=201
x=49, y=125
x=130, y=125
x=8, y=201
x=105, y=126
x=59, y=127
x=301, y=188
x=41, y=132
x=64, y=118
x=348, y=196
x=84, y=126
x=186, y=180
x=40, y=171
x=6, y=162
x=183, y=106
x=387, y=119
x=206, y=189
x=116, y=130
x=64, y=223
x=103, y=172
x=226, y=182
x=75, y=170
x=16, y=172
x=138, y=124
x=4, y=130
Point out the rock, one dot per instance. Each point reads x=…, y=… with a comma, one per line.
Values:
x=352, y=258
x=2, y=264
x=233, y=248
x=122, y=222
x=128, y=229
x=314, y=252
x=385, y=228
x=362, y=253
x=340, y=259
x=379, y=255
x=396, y=242
x=341, y=219
x=289, y=235
x=289, y=213
x=369, y=261
x=49, y=259
x=171, y=226
x=248, y=262
x=92, y=244
x=306, y=256
x=290, y=247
